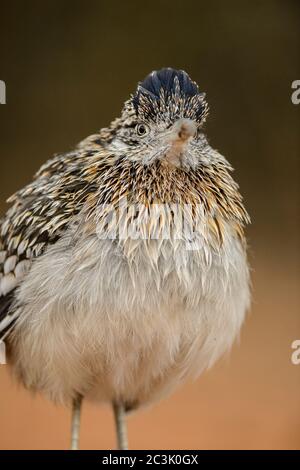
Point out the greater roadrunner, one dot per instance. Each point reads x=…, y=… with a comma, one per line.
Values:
x=123, y=265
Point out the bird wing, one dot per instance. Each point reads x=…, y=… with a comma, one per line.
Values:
x=39, y=214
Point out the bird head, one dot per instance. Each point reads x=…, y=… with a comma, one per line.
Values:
x=162, y=120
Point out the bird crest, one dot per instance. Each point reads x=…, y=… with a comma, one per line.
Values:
x=171, y=94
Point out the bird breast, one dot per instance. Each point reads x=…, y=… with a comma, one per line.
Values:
x=126, y=319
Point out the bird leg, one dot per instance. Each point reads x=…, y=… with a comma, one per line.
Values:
x=121, y=429
x=75, y=428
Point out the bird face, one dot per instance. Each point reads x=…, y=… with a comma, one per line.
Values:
x=162, y=121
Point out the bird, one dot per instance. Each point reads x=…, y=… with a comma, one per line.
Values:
x=123, y=264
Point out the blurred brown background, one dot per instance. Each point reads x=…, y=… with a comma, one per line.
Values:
x=68, y=67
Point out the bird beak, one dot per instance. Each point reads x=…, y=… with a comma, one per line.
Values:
x=178, y=137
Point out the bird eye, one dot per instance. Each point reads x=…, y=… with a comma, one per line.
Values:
x=142, y=130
